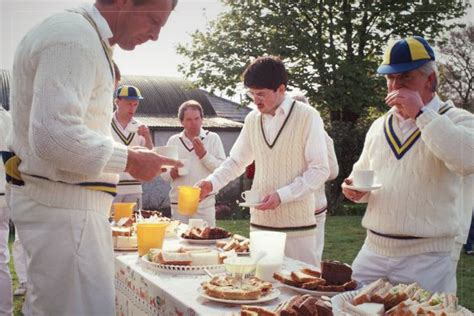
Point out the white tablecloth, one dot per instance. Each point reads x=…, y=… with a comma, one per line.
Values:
x=141, y=292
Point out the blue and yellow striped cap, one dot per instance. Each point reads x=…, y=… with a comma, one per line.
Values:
x=128, y=92
x=405, y=55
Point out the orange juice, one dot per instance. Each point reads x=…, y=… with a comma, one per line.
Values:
x=150, y=235
x=188, y=200
x=123, y=210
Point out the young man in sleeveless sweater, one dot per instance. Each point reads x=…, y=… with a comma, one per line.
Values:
x=421, y=152
x=286, y=139
x=61, y=104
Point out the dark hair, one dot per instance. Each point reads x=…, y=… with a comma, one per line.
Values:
x=266, y=73
x=138, y=2
x=118, y=76
x=190, y=104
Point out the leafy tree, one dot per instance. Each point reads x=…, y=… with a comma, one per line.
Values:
x=331, y=48
x=457, y=67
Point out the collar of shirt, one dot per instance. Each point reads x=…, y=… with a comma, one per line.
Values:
x=282, y=109
x=202, y=135
x=132, y=121
x=104, y=30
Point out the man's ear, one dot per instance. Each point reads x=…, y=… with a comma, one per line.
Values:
x=433, y=82
x=281, y=88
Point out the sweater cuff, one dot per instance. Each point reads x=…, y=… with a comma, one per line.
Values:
x=426, y=117
x=285, y=195
x=118, y=161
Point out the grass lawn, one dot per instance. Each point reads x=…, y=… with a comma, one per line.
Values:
x=344, y=238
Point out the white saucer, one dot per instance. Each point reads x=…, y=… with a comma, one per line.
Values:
x=273, y=294
x=245, y=204
x=374, y=186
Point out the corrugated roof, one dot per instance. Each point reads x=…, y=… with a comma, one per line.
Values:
x=163, y=95
x=5, y=88
x=173, y=122
x=227, y=108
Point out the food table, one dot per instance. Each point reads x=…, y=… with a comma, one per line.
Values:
x=140, y=291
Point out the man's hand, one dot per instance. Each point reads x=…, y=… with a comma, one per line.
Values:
x=199, y=148
x=144, y=131
x=407, y=101
x=352, y=195
x=269, y=202
x=144, y=165
x=206, y=188
x=174, y=173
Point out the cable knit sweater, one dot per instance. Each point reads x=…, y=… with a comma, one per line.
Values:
x=61, y=93
x=422, y=190
x=278, y=166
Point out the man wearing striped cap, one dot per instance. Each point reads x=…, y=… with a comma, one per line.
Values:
x=421, y=153
x=129, y=131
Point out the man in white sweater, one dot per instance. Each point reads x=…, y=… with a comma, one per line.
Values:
x=420, y=150
x=129, y=131
x=203, y=151
x=67, y=163
x=286, y=139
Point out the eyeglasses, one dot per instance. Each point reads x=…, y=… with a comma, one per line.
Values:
x=255, y=96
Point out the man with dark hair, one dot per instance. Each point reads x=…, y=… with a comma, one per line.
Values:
x=286, y=139
x=67, y=163
x=202, y=151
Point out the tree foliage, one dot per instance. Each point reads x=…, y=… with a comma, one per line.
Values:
x=331, y=48
x=457, y=67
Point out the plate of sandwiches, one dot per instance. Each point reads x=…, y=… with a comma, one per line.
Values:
x=335, y=277
x=238, y=244
x=124, y=235
x=231, y=290
x=205, y=236
x=382, y=298
x=185, y=260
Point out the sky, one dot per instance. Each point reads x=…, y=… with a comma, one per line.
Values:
x=152, y=58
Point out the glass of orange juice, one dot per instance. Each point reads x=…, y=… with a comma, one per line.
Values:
x=188, y=200
x=150, y=235
x=123, y=210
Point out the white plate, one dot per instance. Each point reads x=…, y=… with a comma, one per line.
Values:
x=364, y=189
x=245, y=204
x=339, y=300
x=204, y=241
x=158, y=268
x=312, y=292
x=274, y=293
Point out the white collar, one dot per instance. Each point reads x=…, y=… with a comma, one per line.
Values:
x=103, y=27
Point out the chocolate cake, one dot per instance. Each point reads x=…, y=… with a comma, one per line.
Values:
x=335, y=272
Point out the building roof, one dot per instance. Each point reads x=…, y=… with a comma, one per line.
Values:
x=227, y=108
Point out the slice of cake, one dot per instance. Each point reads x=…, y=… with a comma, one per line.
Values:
x=335, y=272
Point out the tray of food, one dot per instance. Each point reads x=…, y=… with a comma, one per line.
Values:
x=335, y=277
x=238, y=244
x=297, y=305
x=383, y=298
x=233, y=290
x=184, y=260
x=206, y=235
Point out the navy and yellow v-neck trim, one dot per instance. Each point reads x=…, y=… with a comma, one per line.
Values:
x=399, y=149
x=126, y=140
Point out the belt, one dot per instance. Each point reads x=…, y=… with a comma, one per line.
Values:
x=13, y=176
x=321, y=210
x=284, y=229
x=395, y=236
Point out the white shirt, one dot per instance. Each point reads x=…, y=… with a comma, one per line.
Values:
x=408, y=125
x=316, y=156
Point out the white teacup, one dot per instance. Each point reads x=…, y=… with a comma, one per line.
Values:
x=168, y=152
x=251, y=197
x=184, y=170
x=197, y=223
x=132, y=127
x=363, y=178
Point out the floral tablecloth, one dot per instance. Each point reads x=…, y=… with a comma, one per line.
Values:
x=140, y=292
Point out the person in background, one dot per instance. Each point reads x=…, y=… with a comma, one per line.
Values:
x=280, y=135
x=417, y=151
x=320, y=208
x=470, y=239
x=203, y=151
x=127, y=130
x=66, y=163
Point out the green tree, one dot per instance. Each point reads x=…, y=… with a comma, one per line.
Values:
x=331, y=49
x=457, y=67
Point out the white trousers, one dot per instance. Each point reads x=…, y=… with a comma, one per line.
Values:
x=208, y=214
x=432, y=271
x=19, y=259
x=321, y=223
x=6, y=303
x=70, y=258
